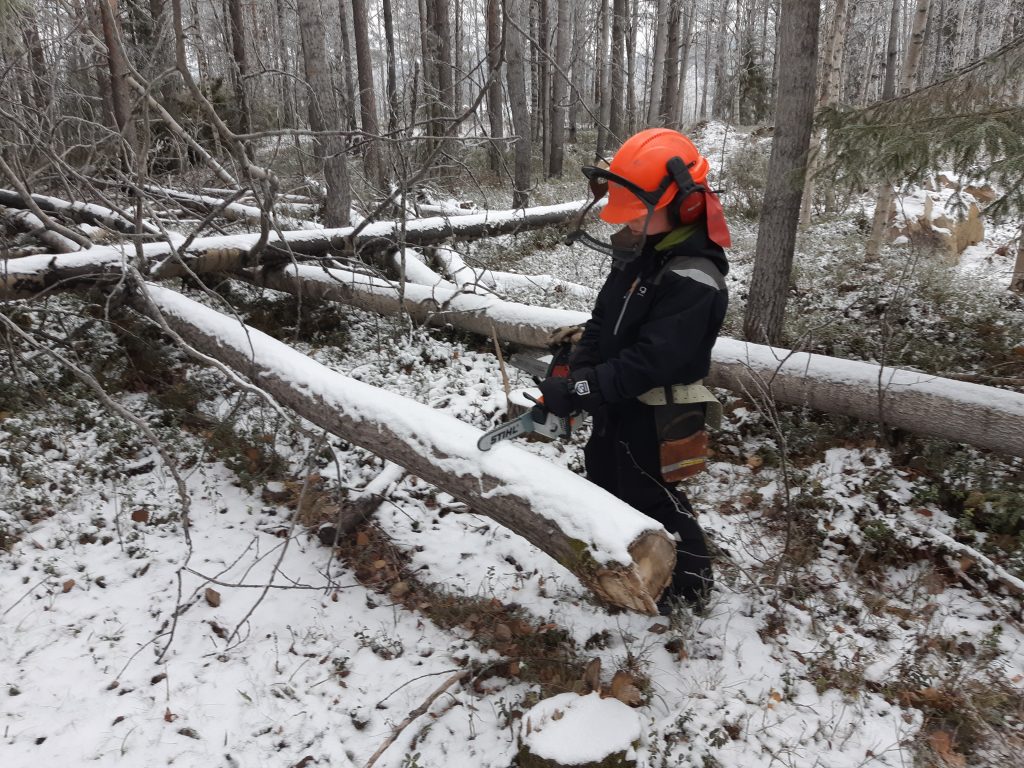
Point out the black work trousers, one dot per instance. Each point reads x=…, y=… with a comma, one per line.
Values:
x=622, y=456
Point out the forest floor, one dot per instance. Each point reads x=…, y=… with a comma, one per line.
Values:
x=838, y=634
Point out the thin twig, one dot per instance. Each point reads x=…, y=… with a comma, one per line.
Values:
x=421, y=709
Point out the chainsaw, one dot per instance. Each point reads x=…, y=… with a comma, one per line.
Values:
x=538, y=420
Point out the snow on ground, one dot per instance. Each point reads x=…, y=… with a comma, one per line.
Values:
x=123, y=644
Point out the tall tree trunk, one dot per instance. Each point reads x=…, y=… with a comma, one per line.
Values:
x=515, y=74
x=442, y=69
x=324, y=114
x=559, y=90
x=892, y=52
x=578, y=66
x=631, y=57
x=604, y=64
x=829, y=94
x=719, y=104
x=392, y=76
x=240, y=68
x=117, y=65
x=884, y=201
x=372, y=161
x=794, y=115
x=40, y=72
x=287, y=85
x=616, y=121
x=686, y=38
x=345, y=66
x=660, y=64
x=495, y=114
x=668, y=107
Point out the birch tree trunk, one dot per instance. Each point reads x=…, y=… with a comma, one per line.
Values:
x=776, y=232
x=515, y=73
x=559, y=90
x=324, y=114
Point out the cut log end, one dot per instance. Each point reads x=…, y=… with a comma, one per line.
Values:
x=638, y=587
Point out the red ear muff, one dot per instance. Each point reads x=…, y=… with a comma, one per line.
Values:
x=691, y=208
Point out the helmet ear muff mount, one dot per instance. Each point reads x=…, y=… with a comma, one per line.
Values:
x=688, y=204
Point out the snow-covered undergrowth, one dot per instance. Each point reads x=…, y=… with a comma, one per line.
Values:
x=841, y=632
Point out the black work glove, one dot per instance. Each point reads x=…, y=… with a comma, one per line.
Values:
x=585, y=392
x=557, y=396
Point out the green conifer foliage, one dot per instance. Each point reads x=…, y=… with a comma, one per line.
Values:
x=971, y=122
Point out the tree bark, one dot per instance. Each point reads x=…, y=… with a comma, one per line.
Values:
x=661, y=62
x=240, y=70
x=515, y=73
x=118, y=67
x=345, y=65
x=780, y=212
x=323, y=115
x=559, y=90
x=495, y=114
x=668, y=105
x=392, y=77
x=604, y=81
x=627, y=574
x=616, y=120
x=372, y=161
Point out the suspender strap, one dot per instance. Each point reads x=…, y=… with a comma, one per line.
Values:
x=686, y=394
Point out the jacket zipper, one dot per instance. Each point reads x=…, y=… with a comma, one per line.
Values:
x=629, y=295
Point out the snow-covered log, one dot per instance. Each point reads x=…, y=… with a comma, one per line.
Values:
x=26, y=221
x=82, y=213
x=442, y=304
x=619, y=553
x=233, y=252
x=465, y=276
x=917, y=402
x=235, y=211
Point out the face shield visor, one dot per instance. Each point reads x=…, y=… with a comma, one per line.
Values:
x=624, y=245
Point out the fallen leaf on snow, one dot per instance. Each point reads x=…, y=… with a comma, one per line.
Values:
x=213, y=597
x=68, y=586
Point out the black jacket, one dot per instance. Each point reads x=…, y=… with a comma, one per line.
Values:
x=657, y=317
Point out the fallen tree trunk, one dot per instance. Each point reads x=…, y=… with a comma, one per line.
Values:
x=442, y=305
x=624, y=557
x=231, y=253
x=28, y=222
x=82, y=213
x=250, y=214
x=919, y=403
x=916, y=402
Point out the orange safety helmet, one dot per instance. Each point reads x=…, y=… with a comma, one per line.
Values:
x=643, y=160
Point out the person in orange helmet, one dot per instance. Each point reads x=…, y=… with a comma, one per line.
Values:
x=639, y=362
